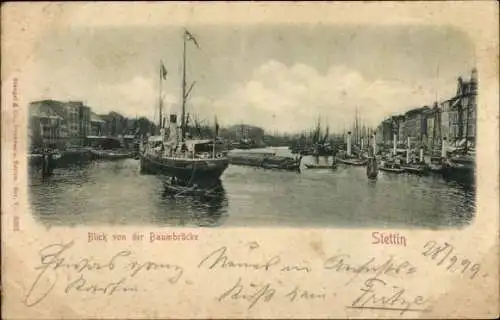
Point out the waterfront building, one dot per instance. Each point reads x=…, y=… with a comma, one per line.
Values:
x=397, y=127
x=462, y=111
x=434, y=127
x=77, y=117
x=415, y=125
x=64, y=122
x=46, y=127
x=379, y=134
x=244, y=131
x=453, y=119
x=387, y=131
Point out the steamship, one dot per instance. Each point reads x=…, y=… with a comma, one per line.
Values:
x=172, y=154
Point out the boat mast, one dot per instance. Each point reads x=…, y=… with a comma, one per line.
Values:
x=183, y=133
x=467, y=111
x=160, y=103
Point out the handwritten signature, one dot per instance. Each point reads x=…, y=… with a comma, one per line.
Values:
x=55, y=259
x=394, y=299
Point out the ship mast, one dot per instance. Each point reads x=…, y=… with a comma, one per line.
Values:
x=160, y=102
x=183, y=133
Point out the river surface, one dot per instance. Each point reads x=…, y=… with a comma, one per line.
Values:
x=115, y=193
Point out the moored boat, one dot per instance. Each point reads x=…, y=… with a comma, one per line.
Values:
x=392, y=170
x=461, y=167
x=318, y=166
x=110, y=154
x=282, y=163
x=264, y=160
x=436, y=164
x=353, y=161
x=175, y=155
x=419, y=169
x=391, y=166
x=176, y=188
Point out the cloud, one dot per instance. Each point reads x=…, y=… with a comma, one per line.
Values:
x=290, y=98
x=275, y=96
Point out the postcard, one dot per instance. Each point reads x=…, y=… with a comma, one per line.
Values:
x=250, y=160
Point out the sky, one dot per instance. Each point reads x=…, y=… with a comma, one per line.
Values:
x=280, y=77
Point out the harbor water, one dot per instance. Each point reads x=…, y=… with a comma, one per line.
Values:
x=115, y=193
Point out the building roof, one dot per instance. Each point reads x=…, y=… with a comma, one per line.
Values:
x=416, y=111
x=44, y=109
x=95, y=118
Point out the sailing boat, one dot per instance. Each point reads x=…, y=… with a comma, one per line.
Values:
x=174, y=155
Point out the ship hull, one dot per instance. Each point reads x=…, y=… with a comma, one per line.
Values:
x=110, y=154
x=353, y=162
x=266, y=161
x=184, y=169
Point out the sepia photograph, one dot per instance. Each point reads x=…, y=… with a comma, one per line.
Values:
x=274, y=125
x=250, y=160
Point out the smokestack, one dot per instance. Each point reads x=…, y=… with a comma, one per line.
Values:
x=408, y=151
x=173, y=127
x=374, y=144
x=444, y=148
x=421, y=154
x=394, y=144
x=349, y=143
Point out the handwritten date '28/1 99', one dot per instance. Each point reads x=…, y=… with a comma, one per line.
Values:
x=443, y=254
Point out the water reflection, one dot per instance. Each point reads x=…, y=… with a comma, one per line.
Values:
x=115, y=193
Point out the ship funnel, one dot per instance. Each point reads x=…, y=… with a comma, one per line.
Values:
x=349, y=143
x=173, y=127
x=421, y=154
x=374, y=144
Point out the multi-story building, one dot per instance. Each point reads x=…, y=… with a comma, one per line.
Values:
x=462, y=111
x=415, y=126
x=387, y=131
x=445, y=119
x=397, y=127
x=78, y=121
x=46, y=127
x=379, y=134
x=244, y=131
x=69, y=122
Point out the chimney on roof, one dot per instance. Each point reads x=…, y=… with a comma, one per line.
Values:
x=473, y=76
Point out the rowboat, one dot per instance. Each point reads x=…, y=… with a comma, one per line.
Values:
x=392, y=170
x=353, y=162
x=178, y=188
x=415, y=169
x=318, y=166
x=391, y=167
x=110, y=154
